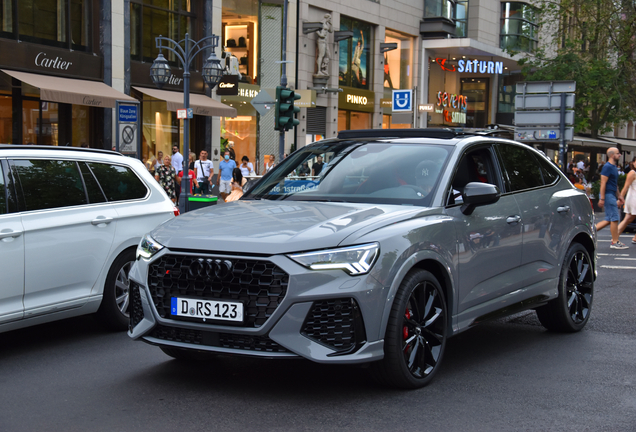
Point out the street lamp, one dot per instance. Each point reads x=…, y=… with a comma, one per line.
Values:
x=160, y=75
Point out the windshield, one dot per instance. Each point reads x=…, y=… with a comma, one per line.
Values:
x=348, y=171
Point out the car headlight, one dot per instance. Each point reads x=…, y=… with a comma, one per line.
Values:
x=148, y=247
x=355, y=260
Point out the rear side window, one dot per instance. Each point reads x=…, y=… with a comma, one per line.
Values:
x=119, y=183
x=48, y=184
x=521, y=169
x=3, y=194
x=549, y=171
x=93, y=189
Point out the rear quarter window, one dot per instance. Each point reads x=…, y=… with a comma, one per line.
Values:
x=118, y=182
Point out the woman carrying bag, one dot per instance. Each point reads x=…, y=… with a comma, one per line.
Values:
x=238, y=181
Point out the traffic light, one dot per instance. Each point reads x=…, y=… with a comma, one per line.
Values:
x=285, y=109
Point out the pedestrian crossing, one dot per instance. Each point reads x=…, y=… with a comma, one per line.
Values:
x=625, y=260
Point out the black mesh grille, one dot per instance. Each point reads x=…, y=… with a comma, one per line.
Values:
x=224, y=340
x=259, y=285
x=332, y=322
x=136, y=310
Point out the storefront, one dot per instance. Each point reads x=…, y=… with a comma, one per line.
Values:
x=240, y=38
x=52, y=96
x=398, y=74
x=240, y=133
x=355, y=109
x=51, y=79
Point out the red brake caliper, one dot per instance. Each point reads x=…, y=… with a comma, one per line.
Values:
x=405, y=330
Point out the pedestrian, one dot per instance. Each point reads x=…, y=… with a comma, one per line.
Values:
x=270, y=164
x=191, y=159
x=230, y=148
x=159, y=161
x=609, y=198
x=177, y=164
x=304, y=170
x=238, y=181
x=247, y=168
x=192, y=181
x=629, y=189
x=316, y=168
x=224, y=180
x=204, y=170
x=166, y=175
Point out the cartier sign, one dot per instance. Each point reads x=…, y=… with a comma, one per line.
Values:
x=229, y=86
x=52, y=63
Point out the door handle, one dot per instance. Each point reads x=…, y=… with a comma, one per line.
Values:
x=563, y=209
x=102, y=220
x=13, y=234
x=513, y=219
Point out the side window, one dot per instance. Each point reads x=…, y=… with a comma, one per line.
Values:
x=95, y=194
x=549, y=171
x=119, y=183
x=50, y=184
x=3, y=194
x=474, y=166
x=521, y=168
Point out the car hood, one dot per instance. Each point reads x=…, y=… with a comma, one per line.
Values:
x=267, y=227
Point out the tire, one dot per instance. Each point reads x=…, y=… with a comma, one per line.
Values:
x=416, y=333
x=570, y=311
x=187, y=355
x=114, y=310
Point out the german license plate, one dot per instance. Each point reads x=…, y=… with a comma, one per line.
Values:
x=207, y=309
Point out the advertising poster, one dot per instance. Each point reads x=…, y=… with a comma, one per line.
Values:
x=355, y=55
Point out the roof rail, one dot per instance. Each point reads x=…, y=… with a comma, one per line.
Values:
x=398, y=133
x=51, y=147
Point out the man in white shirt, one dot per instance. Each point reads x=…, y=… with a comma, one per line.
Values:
x=177, y=159
x=204, y=170
x=580, y=165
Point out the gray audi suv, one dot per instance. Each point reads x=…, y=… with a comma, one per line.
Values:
x=401, y=239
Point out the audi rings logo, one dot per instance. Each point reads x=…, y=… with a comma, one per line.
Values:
x=211, y=268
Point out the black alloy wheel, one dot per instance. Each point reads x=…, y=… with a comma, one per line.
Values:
x=571, y=310
x=416, y=333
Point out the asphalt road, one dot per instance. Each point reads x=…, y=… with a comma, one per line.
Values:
x=507, y=375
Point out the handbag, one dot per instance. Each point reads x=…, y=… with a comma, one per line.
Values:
x=231, y=43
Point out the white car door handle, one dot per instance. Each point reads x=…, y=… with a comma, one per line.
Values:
x=102, y=220
x=13, y=234
x=563, y=209
x=513, y=219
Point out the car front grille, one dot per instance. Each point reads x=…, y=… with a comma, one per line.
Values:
x=260, y=285
x=212, y=339
x=136, y=310
x=336, y=323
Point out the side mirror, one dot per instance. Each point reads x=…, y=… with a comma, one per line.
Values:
x=477, y=194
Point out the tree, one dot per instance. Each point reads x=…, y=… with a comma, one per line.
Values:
x=586, y=41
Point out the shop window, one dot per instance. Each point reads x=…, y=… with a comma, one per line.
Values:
x=477, y=95
x=355, y=55
x=519, y=29
x=239, y=134
x=350, y=120
x=398, y=68
x=61, y=23
x=240, y=38
x=151, y=18
x=6, y=116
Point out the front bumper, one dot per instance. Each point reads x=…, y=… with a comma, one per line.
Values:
x=323, y=316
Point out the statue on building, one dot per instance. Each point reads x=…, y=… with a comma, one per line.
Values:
x=322, y=48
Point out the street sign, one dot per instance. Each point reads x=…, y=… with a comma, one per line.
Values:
x=543, y=134
x=263, y=102
x=190, y=113
x=307, y=98
x=128, y=137
x=182, y=113
x=542, y=118
x=128, y=113
x=546, y=87
x=543, y=101
x=402, y=100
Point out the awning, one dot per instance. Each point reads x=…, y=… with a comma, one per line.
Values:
x=72, y=91
x=579, y=140
x=200, y=104
x=626, y=145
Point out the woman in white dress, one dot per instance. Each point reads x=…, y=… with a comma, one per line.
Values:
x=630, y=202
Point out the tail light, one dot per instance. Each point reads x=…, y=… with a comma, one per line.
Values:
x=176, y=211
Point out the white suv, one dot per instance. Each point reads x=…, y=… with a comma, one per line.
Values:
x=70, y=220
